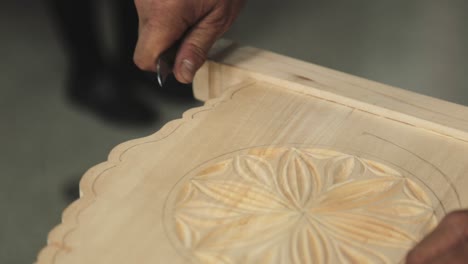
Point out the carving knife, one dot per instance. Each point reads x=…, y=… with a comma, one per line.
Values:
x=165, y=63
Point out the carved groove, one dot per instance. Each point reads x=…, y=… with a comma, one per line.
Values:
x=288, y=205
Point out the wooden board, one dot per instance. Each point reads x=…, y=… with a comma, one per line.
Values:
x=322, y=167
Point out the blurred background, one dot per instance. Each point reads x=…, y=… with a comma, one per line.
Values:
x=69, y=92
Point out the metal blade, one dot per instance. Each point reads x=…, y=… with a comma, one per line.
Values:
x=165, y=63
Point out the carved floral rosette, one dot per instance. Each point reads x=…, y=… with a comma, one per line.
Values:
x=291, y=205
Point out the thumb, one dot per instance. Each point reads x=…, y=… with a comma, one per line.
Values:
x=153, y=39
x=194, y=48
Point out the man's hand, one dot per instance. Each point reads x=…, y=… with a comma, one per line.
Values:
x=448, y=243
x=199, y=23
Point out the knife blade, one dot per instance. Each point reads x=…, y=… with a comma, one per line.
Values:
x=165, y=63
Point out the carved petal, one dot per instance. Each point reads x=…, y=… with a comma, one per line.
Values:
x=298, y=179
x=367, y=229
x=185, y=194
x=380, y=169
x=233, y=194
x=322, y=153
x=350, y=254
x=213, y=171
x=343, y=168
x=406, y=210
x=212, y=258
x=414, y=191
x=309, y=245
x=185, y=233
x=254, y=169
x=359, y=193
x=245, y=231
x=206, y=213
x=203, y=223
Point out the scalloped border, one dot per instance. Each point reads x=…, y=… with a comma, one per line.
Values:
x=70, y=216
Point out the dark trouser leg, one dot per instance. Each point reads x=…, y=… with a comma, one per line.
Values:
x=109, y=96
x=127, y=33
x=76, y=24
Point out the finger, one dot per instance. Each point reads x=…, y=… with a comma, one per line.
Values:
x=195, y=46
x=452, y=231
x=458, y=255
x=155, y=37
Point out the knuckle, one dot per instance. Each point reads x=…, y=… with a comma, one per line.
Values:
x=218, y=21
x=219, y=17
x=198, y=52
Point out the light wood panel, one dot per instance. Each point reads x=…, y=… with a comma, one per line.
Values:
x=272, y=171
x=232, y=63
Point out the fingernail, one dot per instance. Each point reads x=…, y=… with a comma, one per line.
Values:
x=188, y=70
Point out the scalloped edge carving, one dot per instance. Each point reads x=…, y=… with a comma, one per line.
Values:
x=70, y=216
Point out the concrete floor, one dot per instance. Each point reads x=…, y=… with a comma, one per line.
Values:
x=48, y=143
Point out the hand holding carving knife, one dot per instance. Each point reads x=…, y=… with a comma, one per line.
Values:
x=196, y=23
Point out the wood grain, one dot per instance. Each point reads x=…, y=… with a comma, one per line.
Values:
x=232, y=63
x=266, y=173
